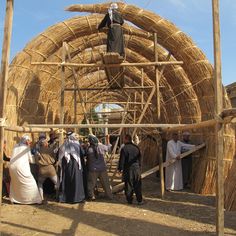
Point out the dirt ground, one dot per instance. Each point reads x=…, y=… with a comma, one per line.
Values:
x=180, y=213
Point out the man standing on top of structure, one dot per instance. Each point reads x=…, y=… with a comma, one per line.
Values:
x=115, y=38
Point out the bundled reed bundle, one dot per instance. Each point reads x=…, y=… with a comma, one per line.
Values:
x=230, y=184
x=149, y=148
x=204, y=166
x=230, y=188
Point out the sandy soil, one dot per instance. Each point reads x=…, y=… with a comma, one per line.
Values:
x=180, y=213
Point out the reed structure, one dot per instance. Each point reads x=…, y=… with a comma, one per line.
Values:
x=166, y=79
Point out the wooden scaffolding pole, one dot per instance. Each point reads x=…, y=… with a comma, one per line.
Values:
x=117, y=140
x=165, y=127
x=3, y=81
x=142, y=84
x=161, y=170
x=158, y=112
x=79, y=91
x=157, y=78
x=110, y=89
x=144, y=110
x=96, y=65
x=62, y=110
x=135, y=99
x=22, y=129
x=114, y=102
x=218, y=127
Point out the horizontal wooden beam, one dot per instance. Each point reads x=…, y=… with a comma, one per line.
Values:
x=108, y=88
x=165, y=127
x=124, y=64
x=94, y=102
x=199, y=125
x=27, y=129
x=59, y=126
x=119, y=187
x=36, y=128
x=106, y=112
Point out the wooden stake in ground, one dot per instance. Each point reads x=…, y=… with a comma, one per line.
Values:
x=218, y=127
x=161, y=169
x=3, y=81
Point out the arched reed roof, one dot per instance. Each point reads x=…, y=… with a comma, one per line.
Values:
x=187, y=93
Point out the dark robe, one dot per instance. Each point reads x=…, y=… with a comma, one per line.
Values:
x=115, y=37
x=186, y=167
x=130, y=163
x=71, y=187
x=85, y=171
x=6, y=177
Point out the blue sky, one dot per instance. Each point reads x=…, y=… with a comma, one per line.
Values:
x=194, y=17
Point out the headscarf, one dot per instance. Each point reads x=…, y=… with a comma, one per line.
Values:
x=113, y=6
x=93, y=139
x=24, y=139
x=71, y=147
x=42, y=140
x=72, y=136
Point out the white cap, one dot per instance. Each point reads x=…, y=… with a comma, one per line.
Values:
x=25, y=138
x=114, y=6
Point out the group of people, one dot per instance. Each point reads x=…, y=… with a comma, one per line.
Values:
x=73, y=168
x=74, y=178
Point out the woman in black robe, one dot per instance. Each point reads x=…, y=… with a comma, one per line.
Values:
x=71, y=188
x=115, y=38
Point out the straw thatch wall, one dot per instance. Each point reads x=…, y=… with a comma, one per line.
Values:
x=231, y=91
x=230, y=186
x=187, y=93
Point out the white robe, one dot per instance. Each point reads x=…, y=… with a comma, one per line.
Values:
x=173, y=173
x=23, y=187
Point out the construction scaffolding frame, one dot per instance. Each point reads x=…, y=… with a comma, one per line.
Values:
x=218, y=122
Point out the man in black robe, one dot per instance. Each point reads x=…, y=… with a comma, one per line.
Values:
x=115, y=38
x=130, y=167
x=186, y=162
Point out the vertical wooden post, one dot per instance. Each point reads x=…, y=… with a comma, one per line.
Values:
x=161, y=169
x=144, y=110
x=3, y=81
x=218, y=128
x=142, y=84
x=78, y=89
x=124, y=116
x=62, y=110
x=135, y=99
x=157, y=78
x=75, y=108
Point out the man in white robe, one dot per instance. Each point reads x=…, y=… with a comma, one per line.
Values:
x=173, y=174
x=23, y=187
